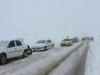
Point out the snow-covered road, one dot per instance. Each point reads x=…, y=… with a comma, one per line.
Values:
x=70, y=66
x=13, y=67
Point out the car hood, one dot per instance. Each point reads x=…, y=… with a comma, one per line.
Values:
x=38, y=45
x=2, y=47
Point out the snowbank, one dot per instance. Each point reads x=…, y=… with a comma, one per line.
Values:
x=93, y=62
x=44, y=66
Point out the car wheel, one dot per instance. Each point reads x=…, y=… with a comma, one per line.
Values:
x=29, y=51
x=25, y=54
x=3, y=59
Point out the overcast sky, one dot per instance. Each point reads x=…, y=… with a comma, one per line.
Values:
x=54, y=19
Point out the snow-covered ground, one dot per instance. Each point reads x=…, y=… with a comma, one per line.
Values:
x=93, y=58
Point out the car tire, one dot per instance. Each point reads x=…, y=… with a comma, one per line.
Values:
x=25, y=54
x=3, y=59
x=30, y=52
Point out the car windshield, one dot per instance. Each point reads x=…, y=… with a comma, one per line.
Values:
x=42, y=41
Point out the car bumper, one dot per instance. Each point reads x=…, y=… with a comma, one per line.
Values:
x=38, y=49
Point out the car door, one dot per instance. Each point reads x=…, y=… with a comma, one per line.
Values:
x=11, y=49
x=19, y=47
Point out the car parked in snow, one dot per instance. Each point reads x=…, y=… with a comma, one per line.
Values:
x=43, y=45
x=13, y=48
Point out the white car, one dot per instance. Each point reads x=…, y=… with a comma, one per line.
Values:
x=43, y=45
x=13, y=48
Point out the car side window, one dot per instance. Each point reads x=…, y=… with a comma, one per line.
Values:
x=11, y=44
x=18, y=43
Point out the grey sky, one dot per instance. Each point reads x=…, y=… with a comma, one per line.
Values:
x=53, y=19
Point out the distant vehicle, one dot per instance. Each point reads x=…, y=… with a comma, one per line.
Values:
x=88, y=38
x=67, y=42
x=75, y=39
x=43, y=45
x=13, y=48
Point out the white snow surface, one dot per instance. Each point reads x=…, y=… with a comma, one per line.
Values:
x=93, y=58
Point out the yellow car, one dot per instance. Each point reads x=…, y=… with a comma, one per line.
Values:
x=66, y=42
